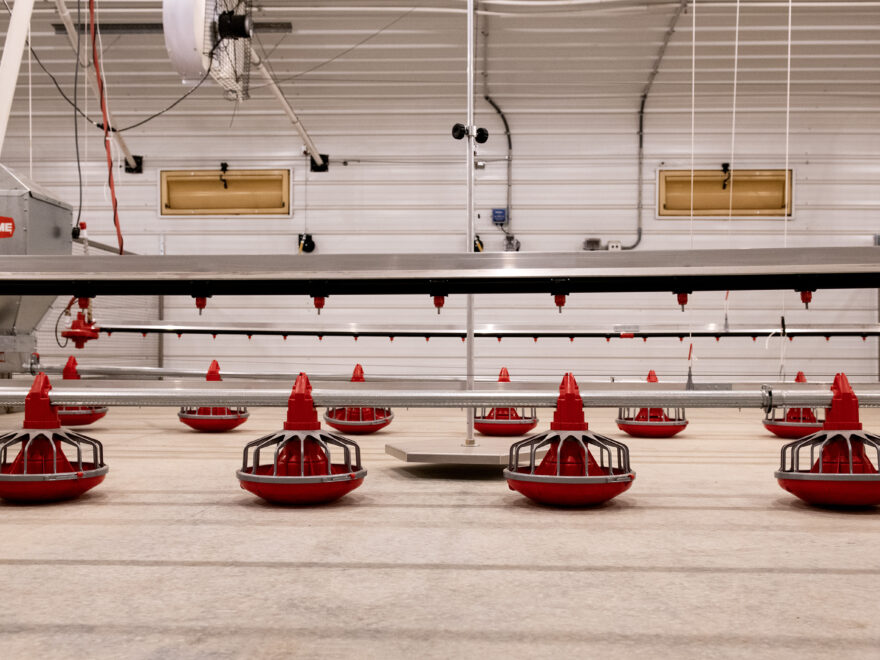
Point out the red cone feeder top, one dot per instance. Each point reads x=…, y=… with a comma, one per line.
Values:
x=52, y=463
x=569, y=474
x=301, y=467
x=358, y=420
x=213, y=419
x=651, y=422
x=77, y=415
x=837, y=466
x=505, y=421
x=791, y=423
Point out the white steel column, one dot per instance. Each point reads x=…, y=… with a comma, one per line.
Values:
x=469, y=245
x=11, y=61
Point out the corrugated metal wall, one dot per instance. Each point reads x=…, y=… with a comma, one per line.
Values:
x=570, y=83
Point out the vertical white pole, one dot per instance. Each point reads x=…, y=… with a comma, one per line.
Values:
x=11, y=61
x=469, y=245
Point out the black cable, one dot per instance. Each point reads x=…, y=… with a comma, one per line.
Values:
x=57, y=321
x=345, y=52
x=94, y=123
x=79, y=173
x=170, y=107
x=179, y=100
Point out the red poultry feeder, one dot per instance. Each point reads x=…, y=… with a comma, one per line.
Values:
x=83, y=328
x=833, y=467
x=569, y=475
x=302, y=470
x=355, y=419
x=214, y=419
x=42, y=471
x=77, y=415
x=505, y=421
x=791, y=423
x=651, y=422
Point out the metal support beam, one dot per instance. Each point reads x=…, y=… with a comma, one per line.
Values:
x=497, y=331
x=498, y=272
x=16, y=35
x=70, y=30
x=257, y=61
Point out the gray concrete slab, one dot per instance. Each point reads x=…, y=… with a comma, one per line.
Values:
x=704, y=557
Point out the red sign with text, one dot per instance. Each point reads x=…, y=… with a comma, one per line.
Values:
x=7, y=227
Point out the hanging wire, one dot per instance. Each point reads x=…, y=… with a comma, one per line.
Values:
x=693, y=106
x=76, y=67
x=733, y=118
x=732, y=142
x=786, y=194
x=343, y=53
x=693, y=147
x=85, y=131
x=30, y=111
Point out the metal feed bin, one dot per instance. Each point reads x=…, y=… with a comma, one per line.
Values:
x=31, y=222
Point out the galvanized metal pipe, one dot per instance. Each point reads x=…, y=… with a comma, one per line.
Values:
x=170, y=393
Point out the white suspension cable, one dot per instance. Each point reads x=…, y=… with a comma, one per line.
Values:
x=693, y=146
x=30, y=109
x=693, y=107
x=733, y=118
x=788, y=181
x=786, y=194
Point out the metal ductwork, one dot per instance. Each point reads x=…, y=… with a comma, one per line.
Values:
x=32, y=222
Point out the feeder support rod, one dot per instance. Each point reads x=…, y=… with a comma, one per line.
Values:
x=16, y=35
x=469, y=245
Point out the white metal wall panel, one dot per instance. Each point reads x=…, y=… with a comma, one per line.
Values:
x=570, y=83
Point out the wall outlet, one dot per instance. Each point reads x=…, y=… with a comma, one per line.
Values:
x=615, y=246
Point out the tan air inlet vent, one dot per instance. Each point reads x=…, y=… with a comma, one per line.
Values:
x=753, y=193
x=234, y=192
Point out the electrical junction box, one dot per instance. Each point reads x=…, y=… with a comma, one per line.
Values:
x=499, y=216
x=614, y=246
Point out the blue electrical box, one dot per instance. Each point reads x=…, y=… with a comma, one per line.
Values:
x=499, y=216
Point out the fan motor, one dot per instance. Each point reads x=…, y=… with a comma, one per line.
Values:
x=235, y=26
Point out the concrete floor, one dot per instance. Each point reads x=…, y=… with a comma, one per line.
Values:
x=704, y=557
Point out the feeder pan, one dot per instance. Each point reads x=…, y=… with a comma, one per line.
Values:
x=301, y=470
x=569, y=475
x=213, y=419
x=42, y=471
x=791, y=423
x=357, y=420
x=833, y=467
x=505, y=421
x=651, y=422
x=77, y=415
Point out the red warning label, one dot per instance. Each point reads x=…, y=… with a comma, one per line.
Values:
x=7, y=227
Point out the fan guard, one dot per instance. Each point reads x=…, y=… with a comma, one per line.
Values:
x=204, y=36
